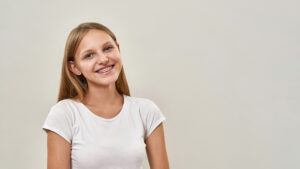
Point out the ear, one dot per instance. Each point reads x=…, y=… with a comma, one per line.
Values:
x=73, y=68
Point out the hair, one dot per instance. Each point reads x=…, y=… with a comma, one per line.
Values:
x=72, y=85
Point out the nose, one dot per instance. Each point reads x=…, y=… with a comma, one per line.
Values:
x=102, y=59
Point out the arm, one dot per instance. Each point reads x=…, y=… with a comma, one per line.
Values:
x=156, y=149
x=59, y=152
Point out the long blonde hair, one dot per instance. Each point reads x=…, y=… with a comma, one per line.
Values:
x=72, y=85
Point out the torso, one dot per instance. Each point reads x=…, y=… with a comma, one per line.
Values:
x=99, y=143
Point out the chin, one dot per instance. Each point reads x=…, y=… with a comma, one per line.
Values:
x=106, y=82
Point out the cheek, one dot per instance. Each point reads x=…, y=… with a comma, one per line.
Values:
x=118, y=58
x=116, y=55
x=86, y=67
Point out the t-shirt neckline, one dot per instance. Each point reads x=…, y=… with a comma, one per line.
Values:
x=102, y=118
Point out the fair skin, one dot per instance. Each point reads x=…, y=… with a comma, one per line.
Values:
x=98, y=50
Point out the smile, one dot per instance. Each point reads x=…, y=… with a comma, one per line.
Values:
x=105, y=70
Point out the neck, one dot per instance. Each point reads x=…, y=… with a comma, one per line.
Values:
x=101, y=96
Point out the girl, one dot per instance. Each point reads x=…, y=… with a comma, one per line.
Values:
x=95, y=123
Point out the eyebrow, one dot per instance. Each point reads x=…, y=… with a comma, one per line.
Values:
x=91, y=50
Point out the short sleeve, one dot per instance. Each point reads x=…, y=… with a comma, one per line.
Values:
x=59, y=120
x=154, y=117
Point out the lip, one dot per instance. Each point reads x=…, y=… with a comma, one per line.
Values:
x=105, y=67
x=108, y=72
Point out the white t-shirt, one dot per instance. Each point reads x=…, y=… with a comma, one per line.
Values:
x=101, y=143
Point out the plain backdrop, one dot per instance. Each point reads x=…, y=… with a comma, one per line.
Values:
x=226, y=75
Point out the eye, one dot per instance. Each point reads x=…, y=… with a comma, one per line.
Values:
x=89, y=55
x=108, y=48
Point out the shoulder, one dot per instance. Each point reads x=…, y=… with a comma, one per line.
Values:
x=63, y=104
x=62, y=107
x=61, y=119
x=142, y=102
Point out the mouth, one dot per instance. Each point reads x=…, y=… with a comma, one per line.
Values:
x=105, y=70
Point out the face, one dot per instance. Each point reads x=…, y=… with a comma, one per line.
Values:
x=97, y=58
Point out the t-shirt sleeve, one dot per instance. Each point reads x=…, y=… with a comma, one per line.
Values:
x=153, y=118
x=59, y=120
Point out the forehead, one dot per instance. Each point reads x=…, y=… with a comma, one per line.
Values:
x=94, y=38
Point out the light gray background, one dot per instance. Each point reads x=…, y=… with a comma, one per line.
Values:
x=225, y=73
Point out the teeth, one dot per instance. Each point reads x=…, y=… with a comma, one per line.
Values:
x=105, y=69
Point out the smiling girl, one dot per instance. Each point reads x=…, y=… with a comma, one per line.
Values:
x=95, y=123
